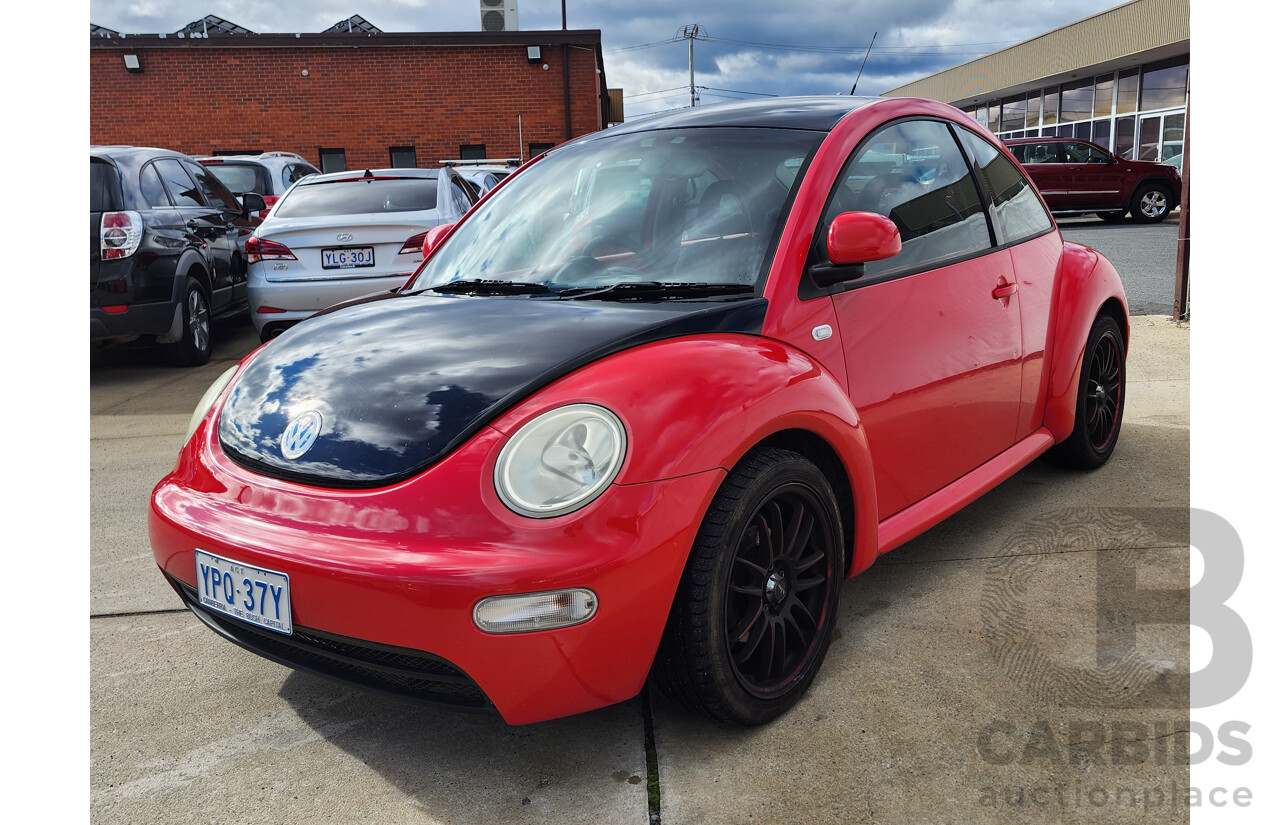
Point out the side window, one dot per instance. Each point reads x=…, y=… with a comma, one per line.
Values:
x=461, y=200
x=296, y=172
x=1019, y=151
x=181, y=187
x=1040, y=153
x=914, y=173
x=152, y=189
x=1083, y=153
x=215, y=191
x=1016, y=210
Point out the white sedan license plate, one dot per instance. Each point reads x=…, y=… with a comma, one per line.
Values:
x=247, y=593
x=348, y=258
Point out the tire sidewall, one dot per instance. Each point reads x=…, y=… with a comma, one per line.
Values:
x=740, y=704
x=1104, y=326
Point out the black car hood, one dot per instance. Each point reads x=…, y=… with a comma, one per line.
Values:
x=399, y=383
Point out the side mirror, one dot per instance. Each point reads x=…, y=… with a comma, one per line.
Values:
x=435, y=237
x=862, y=237
x=252, y=202
x=854, y=239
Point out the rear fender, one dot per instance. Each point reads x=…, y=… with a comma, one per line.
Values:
x=695, y=404
x=1087, y=283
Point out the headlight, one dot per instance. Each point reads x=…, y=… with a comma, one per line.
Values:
x=206, y=401
x=560, y=461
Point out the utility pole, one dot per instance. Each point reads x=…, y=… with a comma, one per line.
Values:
x=692, y=33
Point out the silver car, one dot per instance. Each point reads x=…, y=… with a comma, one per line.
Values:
x=344, y=235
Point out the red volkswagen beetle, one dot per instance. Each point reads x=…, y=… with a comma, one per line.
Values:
x=643, y=410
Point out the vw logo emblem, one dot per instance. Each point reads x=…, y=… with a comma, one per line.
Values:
x=345, y=236
x=300, y=434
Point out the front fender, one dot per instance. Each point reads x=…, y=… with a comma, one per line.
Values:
x=702, y=402
x=1087, y=282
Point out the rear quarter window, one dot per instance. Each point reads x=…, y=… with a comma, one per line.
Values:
x=104, y=187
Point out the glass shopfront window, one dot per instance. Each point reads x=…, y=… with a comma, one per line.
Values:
x=1164, y=85
x=1103, y=89
x=1033, y=111
x=1127, y=92
x=1102, y=133
x=1013, y=114
x=993, y=116
x=1049, y=117
x=1124, y=136
x=1077, y=101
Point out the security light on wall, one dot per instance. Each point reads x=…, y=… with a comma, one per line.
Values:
x=132, y=63
x=535, y=54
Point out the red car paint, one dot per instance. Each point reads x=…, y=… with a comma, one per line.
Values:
x=929, y=390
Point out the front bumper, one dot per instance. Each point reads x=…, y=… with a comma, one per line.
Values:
x=402, y=567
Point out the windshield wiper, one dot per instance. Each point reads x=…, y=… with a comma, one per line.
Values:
x=481, y=286
x=651, y=290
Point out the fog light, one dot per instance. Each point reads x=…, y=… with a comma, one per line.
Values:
x=529, y=612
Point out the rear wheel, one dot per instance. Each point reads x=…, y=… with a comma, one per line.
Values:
x=756, y=606
x=1099, y=401
x=196, y=344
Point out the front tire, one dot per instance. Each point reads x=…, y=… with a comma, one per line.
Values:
x=196, y=344
x=756, y=606
x=1099, y=400
x=1150, y=204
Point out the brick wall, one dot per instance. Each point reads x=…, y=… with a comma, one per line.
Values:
x=364, y=100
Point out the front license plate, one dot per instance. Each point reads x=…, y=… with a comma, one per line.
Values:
x=348, y=258
x=247, y=593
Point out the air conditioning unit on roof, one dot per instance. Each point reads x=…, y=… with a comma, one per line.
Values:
x=498, y=16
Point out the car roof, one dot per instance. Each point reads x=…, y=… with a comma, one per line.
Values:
x=815, y=113
x=357, y=174
x=134, y=152
x=283, y=157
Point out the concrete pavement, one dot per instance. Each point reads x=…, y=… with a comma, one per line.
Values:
x=971, y=679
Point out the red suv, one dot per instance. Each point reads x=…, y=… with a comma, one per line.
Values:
x=1079, y=176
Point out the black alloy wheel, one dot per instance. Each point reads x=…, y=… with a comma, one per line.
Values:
x=1099, y=400
x=757, y=604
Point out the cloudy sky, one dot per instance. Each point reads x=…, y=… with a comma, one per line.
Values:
x=754, y=47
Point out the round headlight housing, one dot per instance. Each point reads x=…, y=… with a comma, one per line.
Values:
x=560, y=461
x=206, y=401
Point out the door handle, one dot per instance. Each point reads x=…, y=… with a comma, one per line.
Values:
x=1004, y=290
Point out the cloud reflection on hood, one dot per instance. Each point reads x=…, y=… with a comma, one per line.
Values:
x=399, y=382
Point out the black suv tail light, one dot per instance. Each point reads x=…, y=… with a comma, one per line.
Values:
x=119, y=234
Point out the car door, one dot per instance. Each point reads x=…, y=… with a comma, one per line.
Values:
x=228, y=228
x=932, y=336
x=1043, y=162
x=201, y=220
x=1091, y=177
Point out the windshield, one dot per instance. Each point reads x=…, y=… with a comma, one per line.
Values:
x=358, y=196
x=694, y=206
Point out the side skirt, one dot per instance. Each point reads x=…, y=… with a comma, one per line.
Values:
x=906, y=524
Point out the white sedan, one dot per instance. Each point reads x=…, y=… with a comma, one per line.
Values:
x=343, y=235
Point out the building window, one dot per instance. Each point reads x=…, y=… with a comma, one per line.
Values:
x=1102, y=133
x=993, y=116
x=333, y=160
x=404, y=157
x=1050, y=115
x=472, y=151
x=1103, y=89
x=1124, y=136
x=1127, y=92
x=1033, y=111
x=1164, y=85
x=1013, y=114
x=536, y=149
x=1077, y=101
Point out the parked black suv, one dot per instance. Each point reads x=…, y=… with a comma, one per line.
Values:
x=163, y=255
